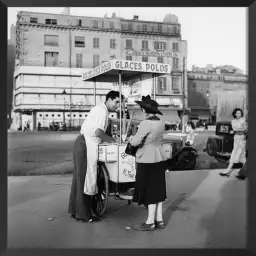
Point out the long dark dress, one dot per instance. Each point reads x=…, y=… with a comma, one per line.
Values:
x=79, y=203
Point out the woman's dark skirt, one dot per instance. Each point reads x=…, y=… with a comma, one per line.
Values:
x=80, y=205
x=150, y=185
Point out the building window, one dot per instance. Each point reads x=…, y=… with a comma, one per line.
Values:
x=111, y=25
x=176, y=83
x=128, y=44
x=79, y=60
x=130, y=26
x=95, y=24
x=51, y=59
x=58, y=115
x=52, y=115
x=33, y=20
x=79, y=23
x=160, y=59
x=175, y=63
x=46, y=115
x=144, y=58
x=162, y=84
x=80, y=115
x=159, y=28
x=113, y=43
x=129, y=57
x=51, y=40
x=96, y=60
x=144, y=45
x=144, y=27
x=160, y=46
x=79, y=41
x=175, y=47
x=51, y=21
x=40, y=115
x=96, y=43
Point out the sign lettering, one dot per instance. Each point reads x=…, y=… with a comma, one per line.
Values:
x=160, y=68
x=151, y=54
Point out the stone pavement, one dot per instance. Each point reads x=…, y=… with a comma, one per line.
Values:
x=203, y=210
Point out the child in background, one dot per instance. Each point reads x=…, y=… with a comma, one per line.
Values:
x=190, y=130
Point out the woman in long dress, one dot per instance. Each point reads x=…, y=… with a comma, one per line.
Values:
x=150, y=185
x=239, y=129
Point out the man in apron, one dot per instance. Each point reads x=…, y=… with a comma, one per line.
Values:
x=85, y=155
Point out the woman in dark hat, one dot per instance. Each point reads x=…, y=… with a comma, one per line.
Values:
x=150, y=185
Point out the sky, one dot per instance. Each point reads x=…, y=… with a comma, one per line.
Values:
x=216, y=36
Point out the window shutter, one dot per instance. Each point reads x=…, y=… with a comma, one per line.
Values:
x=155, y=45
x=164, y=46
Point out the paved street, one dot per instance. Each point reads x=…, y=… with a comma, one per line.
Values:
x=33, y=153
x=203, y=210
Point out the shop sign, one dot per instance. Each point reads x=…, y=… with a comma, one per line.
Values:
x=105, y=67
x=151, y=53
x=172, y=102
x=141, y=66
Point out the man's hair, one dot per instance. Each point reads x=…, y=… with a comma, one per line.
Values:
x=113, y=94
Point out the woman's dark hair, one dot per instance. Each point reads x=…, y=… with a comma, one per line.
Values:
x=113, y=94
x=192, y=125
x=235, y=110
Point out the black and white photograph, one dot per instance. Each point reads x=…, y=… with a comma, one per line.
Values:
x=127, y=127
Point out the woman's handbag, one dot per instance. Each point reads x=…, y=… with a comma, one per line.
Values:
x=131, y=150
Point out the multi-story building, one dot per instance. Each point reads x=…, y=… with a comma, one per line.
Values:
x=204, y=85
x=53, y=51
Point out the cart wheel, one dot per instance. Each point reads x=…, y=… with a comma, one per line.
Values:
x=103, y=190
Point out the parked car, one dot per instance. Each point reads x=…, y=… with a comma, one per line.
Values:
x=220, y=145
x=184, y=155
x=58, y=126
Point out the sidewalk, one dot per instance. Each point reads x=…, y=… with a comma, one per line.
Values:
x=203, y=210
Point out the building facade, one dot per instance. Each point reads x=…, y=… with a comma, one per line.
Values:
x=204, y=86
x=53, y=51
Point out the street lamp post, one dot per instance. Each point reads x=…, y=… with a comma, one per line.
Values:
x=64, y=93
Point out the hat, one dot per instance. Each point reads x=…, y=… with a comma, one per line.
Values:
x=150, y=105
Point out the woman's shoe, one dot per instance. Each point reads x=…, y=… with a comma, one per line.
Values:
x=240, y=177
x=160, y=224
x=89, y=220
x=145, y=227
x=94, y=219
x=224, y=174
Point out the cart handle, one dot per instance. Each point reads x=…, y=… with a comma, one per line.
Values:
x=129, y=124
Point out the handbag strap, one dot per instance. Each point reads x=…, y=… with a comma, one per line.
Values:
x=143, y=141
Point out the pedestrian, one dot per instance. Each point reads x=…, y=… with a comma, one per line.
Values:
x=239, y=129
x=39, y=127
x=190, y=130
x=206, y=126
x=150, y=184
x=85, y=157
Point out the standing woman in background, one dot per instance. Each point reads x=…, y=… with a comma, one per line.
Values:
x=150, y=184
x=239, y=126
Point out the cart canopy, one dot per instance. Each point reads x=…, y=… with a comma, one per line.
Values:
x=127, y=68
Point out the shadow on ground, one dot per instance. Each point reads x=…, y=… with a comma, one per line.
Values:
x=230, y=233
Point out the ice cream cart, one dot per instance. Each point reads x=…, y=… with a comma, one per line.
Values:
x=113, y=164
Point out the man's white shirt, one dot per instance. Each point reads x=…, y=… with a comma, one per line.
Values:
x=96, y=119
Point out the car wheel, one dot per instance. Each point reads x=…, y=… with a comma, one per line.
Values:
x=211, y=147
x=186, y=160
